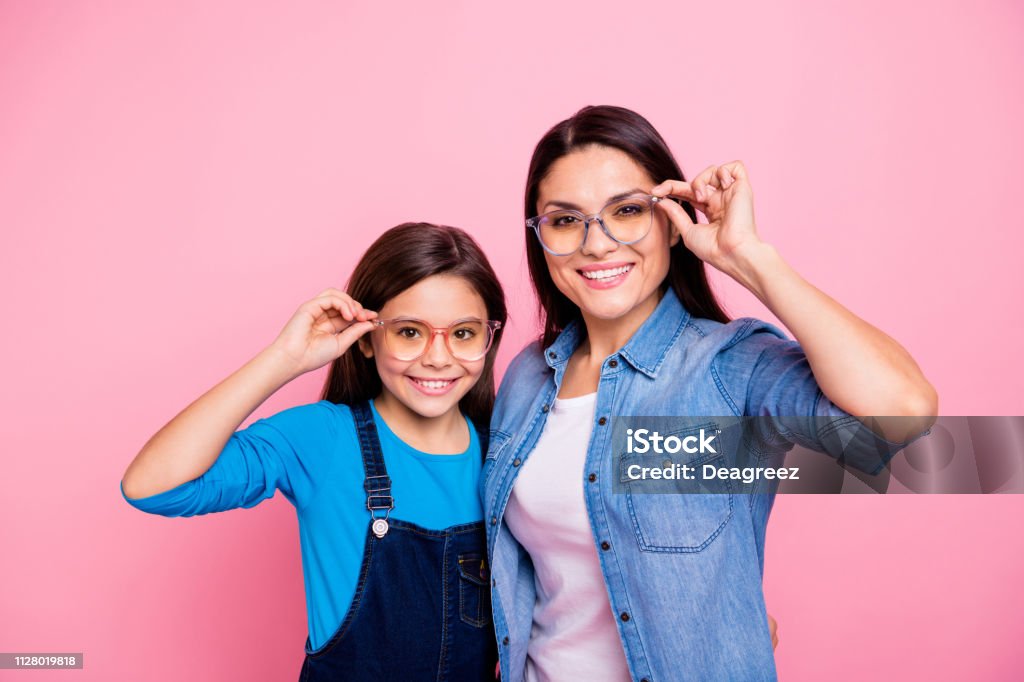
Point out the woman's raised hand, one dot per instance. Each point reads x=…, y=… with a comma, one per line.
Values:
x=723, y=195
x=322, y=329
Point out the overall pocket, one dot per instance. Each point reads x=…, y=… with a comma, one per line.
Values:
x=474, y=592
x=675, y=518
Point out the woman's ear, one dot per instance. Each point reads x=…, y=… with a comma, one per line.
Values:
x=673, y=232
x=365, y=347
x=674, y=236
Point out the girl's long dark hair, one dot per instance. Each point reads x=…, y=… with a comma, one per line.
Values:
x=401, y=257
x=631, y=133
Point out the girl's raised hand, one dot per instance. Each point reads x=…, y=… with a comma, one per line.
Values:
x=723, y=195
x=322, y=329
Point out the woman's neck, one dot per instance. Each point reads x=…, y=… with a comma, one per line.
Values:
x=446, y=434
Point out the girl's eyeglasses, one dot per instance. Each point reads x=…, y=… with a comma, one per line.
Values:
x=409, y=339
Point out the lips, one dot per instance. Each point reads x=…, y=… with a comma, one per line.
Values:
x=432, y=386
x=605, y=275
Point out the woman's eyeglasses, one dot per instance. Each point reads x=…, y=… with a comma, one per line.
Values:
x=626, y=220
x=409, y=339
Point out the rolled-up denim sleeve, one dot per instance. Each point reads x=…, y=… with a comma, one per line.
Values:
x=774, y=378
x=282, y=452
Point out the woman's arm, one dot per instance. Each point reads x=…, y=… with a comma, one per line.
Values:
x=858, y=367
x=187, y=446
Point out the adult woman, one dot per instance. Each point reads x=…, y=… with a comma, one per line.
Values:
x=588, y=584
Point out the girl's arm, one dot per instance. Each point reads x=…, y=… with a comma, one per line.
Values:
x=858, y=367
x=189, y=444
x=184, y=449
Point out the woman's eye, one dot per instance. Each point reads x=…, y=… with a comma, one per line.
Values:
x=629, y=210
x=564, y=220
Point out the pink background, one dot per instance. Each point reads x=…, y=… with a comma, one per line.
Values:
x=176, y=178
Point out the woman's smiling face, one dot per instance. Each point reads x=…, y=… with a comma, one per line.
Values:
x=605, y=279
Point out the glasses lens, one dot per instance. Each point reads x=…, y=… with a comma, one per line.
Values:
x=561, y=231
x=469, y=340
x=629, y=219
x=406, y=339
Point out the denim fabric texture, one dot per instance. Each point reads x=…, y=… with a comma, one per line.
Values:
x=421, y=609
x=683, y=572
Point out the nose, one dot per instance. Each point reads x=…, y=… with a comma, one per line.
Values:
x=437, y=354
x=597, y=243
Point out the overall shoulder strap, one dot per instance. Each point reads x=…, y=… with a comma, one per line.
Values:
x=483, y=435
x=377, y=483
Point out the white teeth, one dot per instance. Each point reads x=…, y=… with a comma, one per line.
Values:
x=432, y=384
x=606, y=274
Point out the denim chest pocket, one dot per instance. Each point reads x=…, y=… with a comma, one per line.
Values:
x=474, y=593
x=667, y=515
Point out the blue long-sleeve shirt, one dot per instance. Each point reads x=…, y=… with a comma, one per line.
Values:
x=311, y=454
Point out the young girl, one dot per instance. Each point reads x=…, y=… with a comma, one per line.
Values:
x=383, y=471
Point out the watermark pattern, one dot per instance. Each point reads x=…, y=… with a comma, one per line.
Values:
x=757, y=455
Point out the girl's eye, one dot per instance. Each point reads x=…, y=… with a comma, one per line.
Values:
x=408, y=332
x=463, y=334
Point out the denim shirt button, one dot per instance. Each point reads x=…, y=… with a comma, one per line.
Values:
x=605, y=545
x=613, y=363
x=545, y=408
x=624, y=616
x=553, y=355
x=505, y=641
x=494, y=520
x=602, y=421
x=592, y=477
x=516, y=462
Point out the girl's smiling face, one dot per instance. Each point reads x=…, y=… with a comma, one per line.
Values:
x=585, y=180
x=432, y=385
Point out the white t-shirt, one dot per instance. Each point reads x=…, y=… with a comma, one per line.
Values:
x=574, y=634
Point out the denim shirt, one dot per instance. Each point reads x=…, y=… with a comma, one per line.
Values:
x=683, y=572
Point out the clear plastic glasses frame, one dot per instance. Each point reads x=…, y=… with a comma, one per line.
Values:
x=408, y=338
x=626, y=220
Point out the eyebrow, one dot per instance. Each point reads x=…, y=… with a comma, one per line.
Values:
x=573, y=207
x=410, y=318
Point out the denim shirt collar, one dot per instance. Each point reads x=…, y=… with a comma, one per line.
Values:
x=645, y=350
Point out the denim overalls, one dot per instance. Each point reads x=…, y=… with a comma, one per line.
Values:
x=421, y=609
